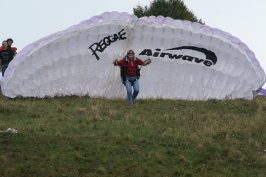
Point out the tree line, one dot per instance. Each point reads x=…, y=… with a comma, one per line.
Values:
x=175, y=9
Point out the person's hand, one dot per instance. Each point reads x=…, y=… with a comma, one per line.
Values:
x=146, y=62
x=115, y=62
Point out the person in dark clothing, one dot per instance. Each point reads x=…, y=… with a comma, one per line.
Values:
x=6, y=55
x=9, y=45
x=130, y=63
x=9, y=42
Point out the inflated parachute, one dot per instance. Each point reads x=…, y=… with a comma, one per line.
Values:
x=189, y=61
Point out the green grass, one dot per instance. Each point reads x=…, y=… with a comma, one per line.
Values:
x=82, y=136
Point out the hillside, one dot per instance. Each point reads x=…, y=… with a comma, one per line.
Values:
x=81, y=136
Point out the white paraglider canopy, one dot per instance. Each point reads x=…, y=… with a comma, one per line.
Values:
x=190, y=61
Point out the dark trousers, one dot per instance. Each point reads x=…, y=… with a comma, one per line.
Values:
x=4, y=66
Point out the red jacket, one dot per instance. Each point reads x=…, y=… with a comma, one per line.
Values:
x=131, y=66
x=13, y=48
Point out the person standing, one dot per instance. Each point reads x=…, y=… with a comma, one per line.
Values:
x=6, y=55
x=130, y=73
x=9, y=45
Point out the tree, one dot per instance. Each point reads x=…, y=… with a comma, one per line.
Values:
x=175, y=9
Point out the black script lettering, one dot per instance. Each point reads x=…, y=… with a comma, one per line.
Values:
x=94, y=48
x=156, y=53
x=210, y=55
x=147, y=52
x=121, y=35
x=197, y=60
x=171, y=56
x=105, y=42
x=207, y=63
x=175, y=56
x=114, y=37
x=162, y=54
x=188, y=58
x=102, y=45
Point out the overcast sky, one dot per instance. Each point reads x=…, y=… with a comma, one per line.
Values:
x=29, y=20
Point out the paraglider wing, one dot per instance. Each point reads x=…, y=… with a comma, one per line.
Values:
x=190, y=61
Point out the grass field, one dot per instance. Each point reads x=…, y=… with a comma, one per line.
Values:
x=82, y=136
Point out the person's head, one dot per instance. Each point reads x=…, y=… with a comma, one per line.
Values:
x=9, y=41
x=130, y=54
x=4, y=45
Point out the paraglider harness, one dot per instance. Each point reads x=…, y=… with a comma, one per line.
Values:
x=123, y=70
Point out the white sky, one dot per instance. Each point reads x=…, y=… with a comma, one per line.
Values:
x=29, y=20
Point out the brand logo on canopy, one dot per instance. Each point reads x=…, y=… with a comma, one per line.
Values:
x=210, y=60
x=100, y=46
